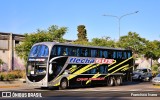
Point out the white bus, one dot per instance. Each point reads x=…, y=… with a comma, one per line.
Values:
x=64, y=65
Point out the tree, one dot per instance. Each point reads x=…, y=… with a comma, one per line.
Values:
x=134, y=42
x=153, y=48
x=54, y=33
x=82, y=33
x=105, y=41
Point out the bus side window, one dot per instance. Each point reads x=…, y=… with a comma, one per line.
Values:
x=53, y=52
x=78, y=52
x=93, y=53
x=73, y=52
x=103, y=69
x=65, y=51
x=59, y=51
x=105, y=54
x=114, y=55
x=100, y=53
x=124, y=55
x=68, y=51
x=129, y=54
x=119, y=54
x=110, y=54
x=94, y=71
x=85, y=52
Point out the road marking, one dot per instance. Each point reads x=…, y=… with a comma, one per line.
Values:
x=136, y=90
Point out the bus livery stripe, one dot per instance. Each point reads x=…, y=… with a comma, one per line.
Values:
x=117, y=70
x=95, y=76
x=119, y=63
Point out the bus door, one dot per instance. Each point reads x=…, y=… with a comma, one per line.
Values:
x=54, y=71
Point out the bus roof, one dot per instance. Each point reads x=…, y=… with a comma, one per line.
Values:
x=76, y=45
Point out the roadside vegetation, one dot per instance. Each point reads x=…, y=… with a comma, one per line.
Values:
x=12, y=75
x=132, y=40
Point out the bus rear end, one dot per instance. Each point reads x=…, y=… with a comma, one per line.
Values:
x=36, y=70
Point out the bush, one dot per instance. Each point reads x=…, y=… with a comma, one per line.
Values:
x=155, y=67
x=17, y=73
x=12, y=75
x=1, y=77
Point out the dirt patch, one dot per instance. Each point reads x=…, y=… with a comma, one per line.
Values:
x=10, y=86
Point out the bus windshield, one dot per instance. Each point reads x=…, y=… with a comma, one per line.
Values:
x=39, y=51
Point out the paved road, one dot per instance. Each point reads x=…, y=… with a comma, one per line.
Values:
x=125, y=92
x=129, y=86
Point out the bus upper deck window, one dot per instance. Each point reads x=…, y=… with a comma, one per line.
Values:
x=78, y=51
x=129, y=54
x=53, y=52
x=59, y=50
x=84, y=52
x=114, y=54
x=124, y=55
x=100, y=53
x=105, y=54
x=73, y=52
x=119, y=54
x=93, y=53
x=65, y=51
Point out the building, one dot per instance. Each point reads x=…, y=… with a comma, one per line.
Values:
x=8, y=41
x=143, y=63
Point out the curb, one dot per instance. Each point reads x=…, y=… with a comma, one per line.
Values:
x=11, y=82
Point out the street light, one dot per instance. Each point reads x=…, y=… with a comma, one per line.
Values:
x=120, y=17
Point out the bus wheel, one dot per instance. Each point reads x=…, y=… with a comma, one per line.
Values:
x=118, y=81
x=63, y=84
x=110, y=82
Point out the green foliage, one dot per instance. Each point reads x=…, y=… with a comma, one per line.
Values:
x=155, y=68
x=1, y=62
x=81, y=42
x=82, y=33
x=54, y=33
x=11, y=75
x=152, y=49
x=105, y=41
x=133, y=41
x=1, y=77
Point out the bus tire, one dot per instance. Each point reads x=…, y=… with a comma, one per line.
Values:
x=110, y=81
x=118, y=81
x=63, y=84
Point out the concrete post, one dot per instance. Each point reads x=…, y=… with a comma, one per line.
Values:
x=10, y=52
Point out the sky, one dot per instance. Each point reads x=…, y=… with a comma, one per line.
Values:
x=26, y=16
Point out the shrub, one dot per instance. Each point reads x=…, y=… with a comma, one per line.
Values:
x=17, y=73
x=11, y=75
x=1, y=77
x=155, y=67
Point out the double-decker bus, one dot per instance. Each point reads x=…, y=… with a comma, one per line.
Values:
x=65, y=65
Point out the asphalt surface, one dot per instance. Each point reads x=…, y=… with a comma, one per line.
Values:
x=128, y=91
